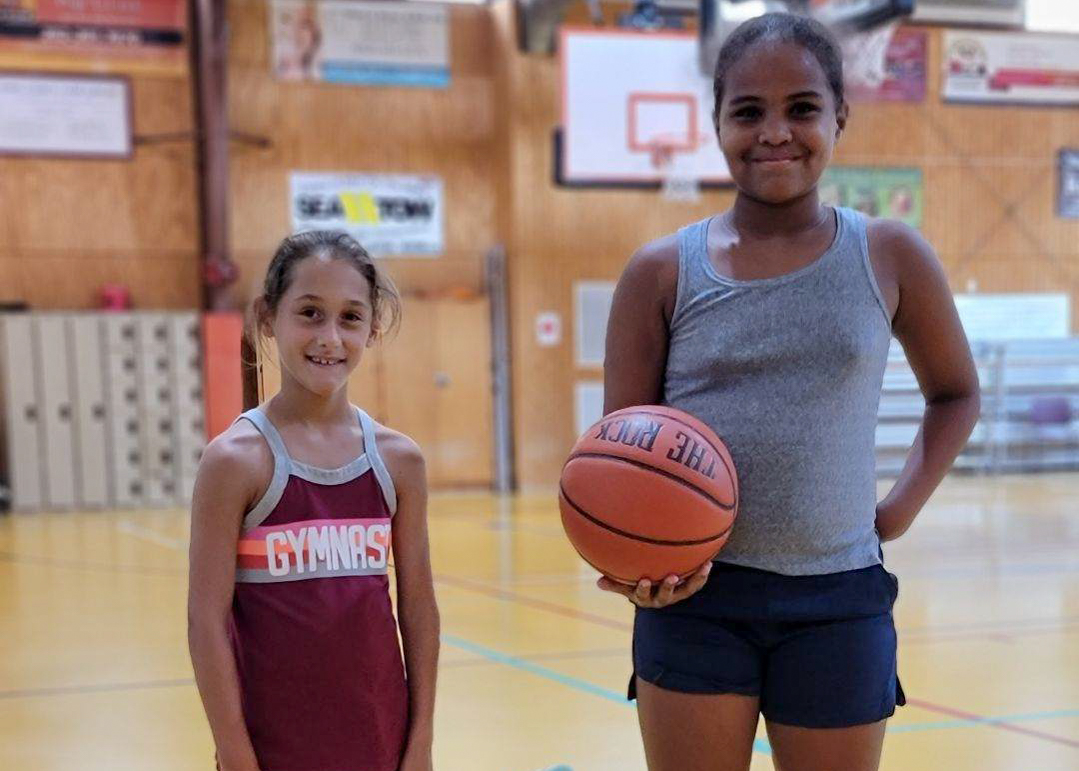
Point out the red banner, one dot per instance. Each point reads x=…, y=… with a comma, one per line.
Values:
x=99, y=35
x=162, y=14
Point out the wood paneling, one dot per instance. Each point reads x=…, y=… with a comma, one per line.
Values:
x=314, y=127
x=69, y=226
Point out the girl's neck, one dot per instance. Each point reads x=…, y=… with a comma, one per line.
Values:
x=296, y=404
x=761, y=220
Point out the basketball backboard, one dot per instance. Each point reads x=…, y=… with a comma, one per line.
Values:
x=636, y=110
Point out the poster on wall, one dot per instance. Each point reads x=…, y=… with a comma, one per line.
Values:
x=1010, y=67
x=895, y=193
x=72, y=115
x=130, y=36
x=389, y=214
x=360, y=43
x=904, y=70
x=1068, y=190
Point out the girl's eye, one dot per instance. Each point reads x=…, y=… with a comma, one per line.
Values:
x=309, y=312
x=804, y=109
x=747, y=113
x=353, y=318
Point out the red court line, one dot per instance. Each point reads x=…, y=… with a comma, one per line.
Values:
x=550, y=607
x=1004, y=726
x=944, y=633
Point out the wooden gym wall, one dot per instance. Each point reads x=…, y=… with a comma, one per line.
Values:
x=69, y=226
x=990, y=188
x=448, y=132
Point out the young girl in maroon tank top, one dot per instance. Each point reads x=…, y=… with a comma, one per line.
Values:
x=291, y=632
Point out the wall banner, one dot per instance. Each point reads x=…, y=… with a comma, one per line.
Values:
x=895, y=193
x=79, y=116
x=144, y=36
x=389, y=214
x=1010, y=67
x=361, y=43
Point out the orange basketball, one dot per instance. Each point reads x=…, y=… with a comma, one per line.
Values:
x=648, y=492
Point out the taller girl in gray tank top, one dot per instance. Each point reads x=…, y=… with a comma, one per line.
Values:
x=788, y=371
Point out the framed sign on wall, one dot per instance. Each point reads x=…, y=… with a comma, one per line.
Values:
x=75, y=116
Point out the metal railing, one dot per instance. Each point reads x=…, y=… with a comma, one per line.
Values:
x=1030, y=409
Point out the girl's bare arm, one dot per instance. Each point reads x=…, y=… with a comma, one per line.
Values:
x=417, y=610
x=927, y=324
x=223, y=491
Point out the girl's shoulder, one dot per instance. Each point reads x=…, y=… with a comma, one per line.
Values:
x=897, y=247
x=240, y=458
x=401, y=454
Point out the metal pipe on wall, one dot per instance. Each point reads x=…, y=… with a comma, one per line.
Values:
x=209, y=75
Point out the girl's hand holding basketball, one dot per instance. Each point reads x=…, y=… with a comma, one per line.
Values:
x=668, y=592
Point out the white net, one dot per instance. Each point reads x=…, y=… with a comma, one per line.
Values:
x=677, y=185
x=865, y=56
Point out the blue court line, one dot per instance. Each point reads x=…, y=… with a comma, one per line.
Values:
x=1022, y=717
x=759, y=745
x=535, y=669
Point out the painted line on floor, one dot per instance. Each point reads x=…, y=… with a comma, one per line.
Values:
x=1004, y=723
x=72, y=690
x=497, y=593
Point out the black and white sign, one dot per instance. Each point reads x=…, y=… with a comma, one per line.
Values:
x=389, y=214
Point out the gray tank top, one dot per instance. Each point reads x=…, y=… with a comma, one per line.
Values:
x=788, y=372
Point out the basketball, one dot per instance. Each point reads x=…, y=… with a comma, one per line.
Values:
x=648, y=492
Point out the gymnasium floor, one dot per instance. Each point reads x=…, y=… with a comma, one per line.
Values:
x=95, y=675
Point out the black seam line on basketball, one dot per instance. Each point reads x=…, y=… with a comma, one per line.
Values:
x=661, y=472
x=730, y=472
x=635, y=537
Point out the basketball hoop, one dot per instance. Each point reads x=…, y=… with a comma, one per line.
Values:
x=677, y=185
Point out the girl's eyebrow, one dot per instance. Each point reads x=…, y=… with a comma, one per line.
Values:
x=358, y=303
x=748, y=98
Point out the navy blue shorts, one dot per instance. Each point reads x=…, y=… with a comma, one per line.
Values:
x=819, y=651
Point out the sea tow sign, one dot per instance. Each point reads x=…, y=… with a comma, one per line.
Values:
x=364, y=207
x=644, y=433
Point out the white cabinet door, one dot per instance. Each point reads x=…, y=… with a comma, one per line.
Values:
x=158, y=437
x=21, y=414
x=121, y=369
x=92, y=450
x=57, y=409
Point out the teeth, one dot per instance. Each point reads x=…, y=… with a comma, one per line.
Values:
x=317, y=360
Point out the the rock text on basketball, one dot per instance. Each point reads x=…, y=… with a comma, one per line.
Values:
x=693, y=455
x=632, y=433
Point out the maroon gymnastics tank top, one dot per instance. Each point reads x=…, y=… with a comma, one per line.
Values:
x=314, y=635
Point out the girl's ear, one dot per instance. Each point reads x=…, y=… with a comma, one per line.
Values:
x=841, y=116
x=263, y=318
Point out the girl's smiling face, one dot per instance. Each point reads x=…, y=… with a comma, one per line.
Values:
x=323, y=323
x=778, y=121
